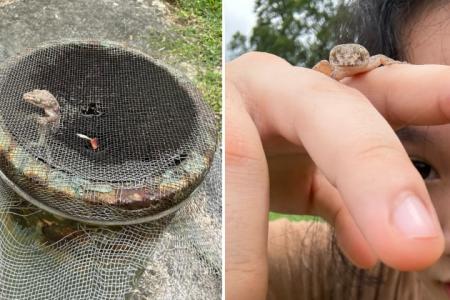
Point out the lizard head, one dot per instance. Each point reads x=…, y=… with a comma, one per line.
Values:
x=40, y=98
x=349, y=55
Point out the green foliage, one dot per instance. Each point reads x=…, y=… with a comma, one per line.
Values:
x=239, y=43
x=196, y=39
x=202, y=29
x=201, y=8
x=301, y=31
x=295, y=218
x=210, y=82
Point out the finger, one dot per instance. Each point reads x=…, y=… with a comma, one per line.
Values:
x=407, y=94
x=352, y=242
x=354, y=147
x=247, y=198
x=327, y=202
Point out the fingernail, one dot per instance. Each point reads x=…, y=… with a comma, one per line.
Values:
x=413, y=219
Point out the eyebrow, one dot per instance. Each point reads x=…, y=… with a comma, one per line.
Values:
x=413, y=135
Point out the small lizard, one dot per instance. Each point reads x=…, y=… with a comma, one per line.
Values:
x=44, y=99
x=351, y=59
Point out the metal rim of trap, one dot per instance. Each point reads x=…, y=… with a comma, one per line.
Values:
x=32, y=176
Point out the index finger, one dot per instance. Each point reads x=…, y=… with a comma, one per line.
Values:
x=407, y=94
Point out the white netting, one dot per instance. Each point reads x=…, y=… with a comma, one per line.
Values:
x=178, y=257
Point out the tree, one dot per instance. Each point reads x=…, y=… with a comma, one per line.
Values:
x=301, y=31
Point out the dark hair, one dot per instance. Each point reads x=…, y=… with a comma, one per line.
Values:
x=382, y=26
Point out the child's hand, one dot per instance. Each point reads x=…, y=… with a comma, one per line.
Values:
x=313, y=145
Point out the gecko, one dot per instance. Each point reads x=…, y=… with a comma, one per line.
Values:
x=44, y=99
x=351, y=59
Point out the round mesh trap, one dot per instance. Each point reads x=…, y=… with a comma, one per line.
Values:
x=128, y=140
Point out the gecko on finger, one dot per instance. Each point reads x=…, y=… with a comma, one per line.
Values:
x=351, y=59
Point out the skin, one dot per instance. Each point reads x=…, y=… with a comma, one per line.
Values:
x=429, y=41
x=288, y=122
x=45, y=100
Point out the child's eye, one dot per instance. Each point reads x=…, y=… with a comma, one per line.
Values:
x=425, y=170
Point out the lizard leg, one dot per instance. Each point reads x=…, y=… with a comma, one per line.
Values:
x=380, y=60
x=43, y=121
x=324, y=67
x=53, y=122
x=339, y=74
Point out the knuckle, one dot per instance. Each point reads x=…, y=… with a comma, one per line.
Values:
x=239, y=152
x=243, y=267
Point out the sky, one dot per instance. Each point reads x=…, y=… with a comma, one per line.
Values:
x=239, y=16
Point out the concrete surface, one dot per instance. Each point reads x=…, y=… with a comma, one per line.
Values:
x=28, y=23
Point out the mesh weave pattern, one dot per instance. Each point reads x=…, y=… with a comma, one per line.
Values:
x=176, y=257
x=157, y=150
x=156, y=136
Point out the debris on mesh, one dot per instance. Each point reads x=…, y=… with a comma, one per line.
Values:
x=113, y=193
x=101, y=133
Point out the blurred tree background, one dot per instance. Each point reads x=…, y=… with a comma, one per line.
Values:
x=300, y=31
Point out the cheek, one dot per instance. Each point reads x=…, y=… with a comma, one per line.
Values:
x=440, y=196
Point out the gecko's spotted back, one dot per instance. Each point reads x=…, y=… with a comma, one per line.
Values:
x=155, y=135
x=349, y=55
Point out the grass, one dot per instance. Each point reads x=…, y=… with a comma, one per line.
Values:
x=294, y=218
x=197, y=40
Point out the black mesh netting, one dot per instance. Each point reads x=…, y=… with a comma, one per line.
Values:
x=156, y=137
x=138, y=216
